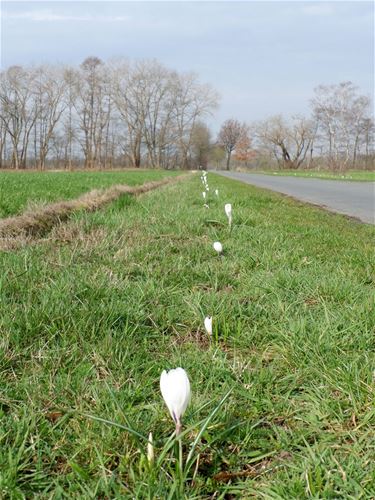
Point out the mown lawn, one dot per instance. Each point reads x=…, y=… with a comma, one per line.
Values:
x=348, y=175
x=91, y=315
x=20, y=190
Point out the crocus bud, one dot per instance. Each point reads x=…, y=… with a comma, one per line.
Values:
x=175, y=389
x=217, y=192
x=208, y=324
x=150, y=449
x=204, y=194
x=218, y=247
x=228, y=211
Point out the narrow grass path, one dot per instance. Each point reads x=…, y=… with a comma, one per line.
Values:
x=93, y=314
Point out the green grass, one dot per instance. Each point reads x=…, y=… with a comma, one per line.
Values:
x=92, y=315
x=18, y=189
x=349, y=175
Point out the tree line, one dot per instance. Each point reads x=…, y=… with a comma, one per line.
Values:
x=338, y=134
x=102, y=115
x=123, y=113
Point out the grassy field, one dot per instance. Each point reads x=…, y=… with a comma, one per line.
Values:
x=283, y=401
x=20, y=189
x=349, y=175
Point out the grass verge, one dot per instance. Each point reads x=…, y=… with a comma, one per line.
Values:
x=349, y=175
x=282, y=395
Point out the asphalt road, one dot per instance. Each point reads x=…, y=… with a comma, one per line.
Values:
x=356, y=199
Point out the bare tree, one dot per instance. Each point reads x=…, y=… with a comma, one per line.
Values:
x=155, y=106
x=92, y=109
x=18, y=114
x=360, y=127
x=288, y=143
x=3, y=134
x=192, y=101
x=341, y=114
x=159, y=109
x=71, y=84
x=48, y=96
x=231, y=134
x=127, y=101
x=368, y=131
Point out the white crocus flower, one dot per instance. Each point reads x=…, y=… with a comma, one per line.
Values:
x=204, y=194
x=228, y=211
x=217, y=192
x=208, y=324
x=150, y=449
x=218, y=247
x=175, y=389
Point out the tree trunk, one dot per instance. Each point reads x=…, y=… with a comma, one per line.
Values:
x=286, y=157
x=355, y=151
x=228, y=159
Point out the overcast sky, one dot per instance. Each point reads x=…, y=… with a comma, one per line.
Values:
x=264, y=57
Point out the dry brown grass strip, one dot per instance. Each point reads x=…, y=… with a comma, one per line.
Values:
x=38, y=222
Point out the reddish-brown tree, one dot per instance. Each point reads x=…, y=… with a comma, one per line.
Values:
x=232, y=134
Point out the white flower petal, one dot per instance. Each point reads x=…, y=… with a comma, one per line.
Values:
x=175, y=389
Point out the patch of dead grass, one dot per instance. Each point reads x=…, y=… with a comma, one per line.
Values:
x=255, y=470
x=197, y=337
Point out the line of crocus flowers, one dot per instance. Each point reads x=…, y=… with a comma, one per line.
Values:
x=175, y=384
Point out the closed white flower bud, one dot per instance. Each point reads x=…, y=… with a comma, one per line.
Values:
x=228, y=211
x=208, y=324
x=150, y=449
x=175, y=389
x=218, y=247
